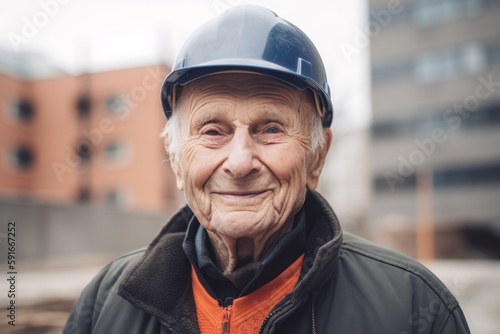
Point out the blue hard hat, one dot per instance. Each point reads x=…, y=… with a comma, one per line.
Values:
x=253, y=39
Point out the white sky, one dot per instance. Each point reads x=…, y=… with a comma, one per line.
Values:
x=78, y=35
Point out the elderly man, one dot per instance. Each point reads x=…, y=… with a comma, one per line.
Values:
x=256, y=249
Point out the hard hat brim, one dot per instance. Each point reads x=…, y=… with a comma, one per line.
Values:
x=183, y=76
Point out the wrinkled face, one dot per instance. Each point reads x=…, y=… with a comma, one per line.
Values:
x=245, y=159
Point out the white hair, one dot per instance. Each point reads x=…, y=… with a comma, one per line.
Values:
x=317, y=135
x=171, y=134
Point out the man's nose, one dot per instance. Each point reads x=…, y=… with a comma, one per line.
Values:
x=241, y=160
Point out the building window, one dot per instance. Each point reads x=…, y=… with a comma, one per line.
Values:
x=493, y=51
x=423, y=125
x=431, y=12
x=83, y=106
x=84, y=151
x=22, y=158
x=440, y=65
x=21, y=110
x=463, y=176
x=468, y=176
x=390, y=71
x=83, y=195
x=490, y=115
x=394, y=182
x=117, y=152
x=448, y=64
x=387, y=129
x=117, y=197
x=116, y=105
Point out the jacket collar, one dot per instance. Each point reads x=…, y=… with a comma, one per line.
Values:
x=154, y=287
x=323, y=246
x=157, y=284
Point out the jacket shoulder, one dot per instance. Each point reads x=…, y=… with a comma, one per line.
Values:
x=392, y=291
x=96, y=294
x=113, y=271
x=396, y=263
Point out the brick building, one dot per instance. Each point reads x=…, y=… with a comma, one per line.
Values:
x=89, y=138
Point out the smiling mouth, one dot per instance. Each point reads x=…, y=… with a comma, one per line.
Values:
x=240, y=194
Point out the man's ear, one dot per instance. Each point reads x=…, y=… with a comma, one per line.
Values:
x=318, y=161
x=176, y=166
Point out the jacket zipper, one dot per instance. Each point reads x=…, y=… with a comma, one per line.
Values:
x=270, y=315
x=282, y=308
x=313, y=315
x=226, y=319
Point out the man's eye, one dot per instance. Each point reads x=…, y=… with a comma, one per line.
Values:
x=273, y=129
x=212, y=133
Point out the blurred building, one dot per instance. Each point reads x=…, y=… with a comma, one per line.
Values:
x=93, y=138
x=436, y=120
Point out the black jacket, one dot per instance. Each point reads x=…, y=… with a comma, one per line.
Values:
x=347, y=285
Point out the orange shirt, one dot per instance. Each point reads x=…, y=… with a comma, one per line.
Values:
x=247, y=313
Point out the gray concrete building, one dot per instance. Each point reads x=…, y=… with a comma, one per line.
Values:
x=436, y=121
